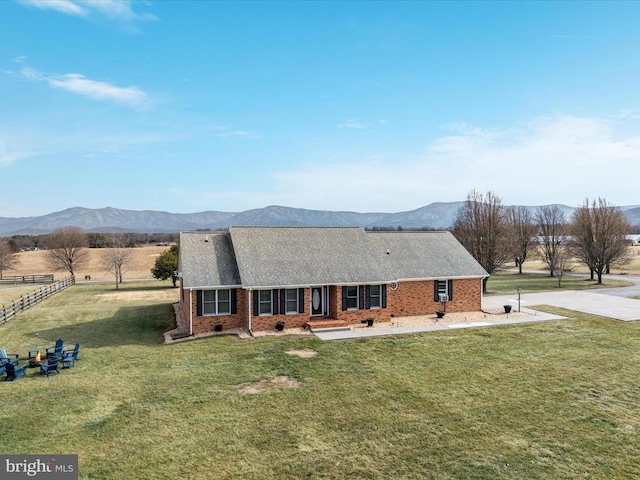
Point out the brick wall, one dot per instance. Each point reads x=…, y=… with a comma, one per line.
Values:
x=409, y=299
x=417, y=298
x=357, y=316
x=208, y=323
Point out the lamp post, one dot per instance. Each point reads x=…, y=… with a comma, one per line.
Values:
x=518, y=299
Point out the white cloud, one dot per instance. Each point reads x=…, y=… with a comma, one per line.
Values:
x=81, y=85
x=360, y=125
x=120, y=10
x=237, y=133
x=629, y=113
x=557, y=159
x=352, y=124
x=10, y=153
x=67, y=7
x=221, y=131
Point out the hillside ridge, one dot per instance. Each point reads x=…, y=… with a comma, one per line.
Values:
x=437, y=215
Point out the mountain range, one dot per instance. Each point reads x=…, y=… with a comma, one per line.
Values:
x=435, y=215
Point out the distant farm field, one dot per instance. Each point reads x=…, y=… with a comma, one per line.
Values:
x=139, y=267
x=632, y=267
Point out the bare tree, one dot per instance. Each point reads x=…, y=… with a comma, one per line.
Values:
x=563, y=259
x=480, y=226
x=599, y=236
x=8, y=257
x=552, y=230
x=582, y=236
x=522, y=232
x=67, y=249
x=116, y=255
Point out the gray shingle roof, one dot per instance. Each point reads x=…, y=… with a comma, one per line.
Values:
x=425, y=255
x=302, y=256
x=296, y=256
x=207, y=260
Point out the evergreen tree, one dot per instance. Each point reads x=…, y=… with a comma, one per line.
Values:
x=166, y=265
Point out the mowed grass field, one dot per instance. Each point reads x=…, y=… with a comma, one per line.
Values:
x=507, y=282
x=142, y=260
x=632, y=267
x=552, y=400
x=139, y=265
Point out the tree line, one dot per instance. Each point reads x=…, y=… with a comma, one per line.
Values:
x=495, y=235
x=94, y=240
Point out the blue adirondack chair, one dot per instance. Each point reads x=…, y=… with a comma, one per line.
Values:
x=69, y=357
x=8, y=357
x=14, y=372
x=50, y=367
x=56, y=350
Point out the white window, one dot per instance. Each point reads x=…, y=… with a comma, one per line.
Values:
x=352, y=297
x=291, y=300
x=216, y=302
x=265, y=301
x=375, y=296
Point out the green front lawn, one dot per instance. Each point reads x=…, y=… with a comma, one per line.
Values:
x=553, y=400
x=502, y=283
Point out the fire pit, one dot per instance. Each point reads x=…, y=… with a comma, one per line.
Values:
x=36, y=360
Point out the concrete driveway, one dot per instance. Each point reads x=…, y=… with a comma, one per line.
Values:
x=611, y=303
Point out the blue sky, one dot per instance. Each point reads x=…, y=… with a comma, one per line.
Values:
x=335, y=105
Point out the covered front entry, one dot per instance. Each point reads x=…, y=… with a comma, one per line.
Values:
x=319, y=301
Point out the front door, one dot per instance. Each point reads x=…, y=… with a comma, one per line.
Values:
x=317, y=301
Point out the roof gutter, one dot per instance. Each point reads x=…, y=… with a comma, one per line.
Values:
x=466, y=277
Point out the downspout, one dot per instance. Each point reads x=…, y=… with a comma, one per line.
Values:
x=191, y=312
x=250, y=310
x=482, y=294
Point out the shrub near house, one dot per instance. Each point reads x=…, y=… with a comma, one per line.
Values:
x=254, y=277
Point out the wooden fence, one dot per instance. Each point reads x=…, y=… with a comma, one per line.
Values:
x=16, y=279
x=30, y=300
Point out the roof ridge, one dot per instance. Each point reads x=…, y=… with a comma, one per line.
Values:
x=298, y=226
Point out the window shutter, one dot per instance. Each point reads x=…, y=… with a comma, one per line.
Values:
x=256, y=303
x=360, y=297
x=450, y=289
x=199, y=303
x=384, y=296
x=367, y=296
x=274, y=301
x=435, y=291
x=283, y=301
x=301, y=300
x=344, y=298
x=234, y=300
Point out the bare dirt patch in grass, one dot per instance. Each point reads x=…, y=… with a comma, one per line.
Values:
x=302, y=353
x=267, y=385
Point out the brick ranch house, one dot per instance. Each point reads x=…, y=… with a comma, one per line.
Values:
x=252, y=278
